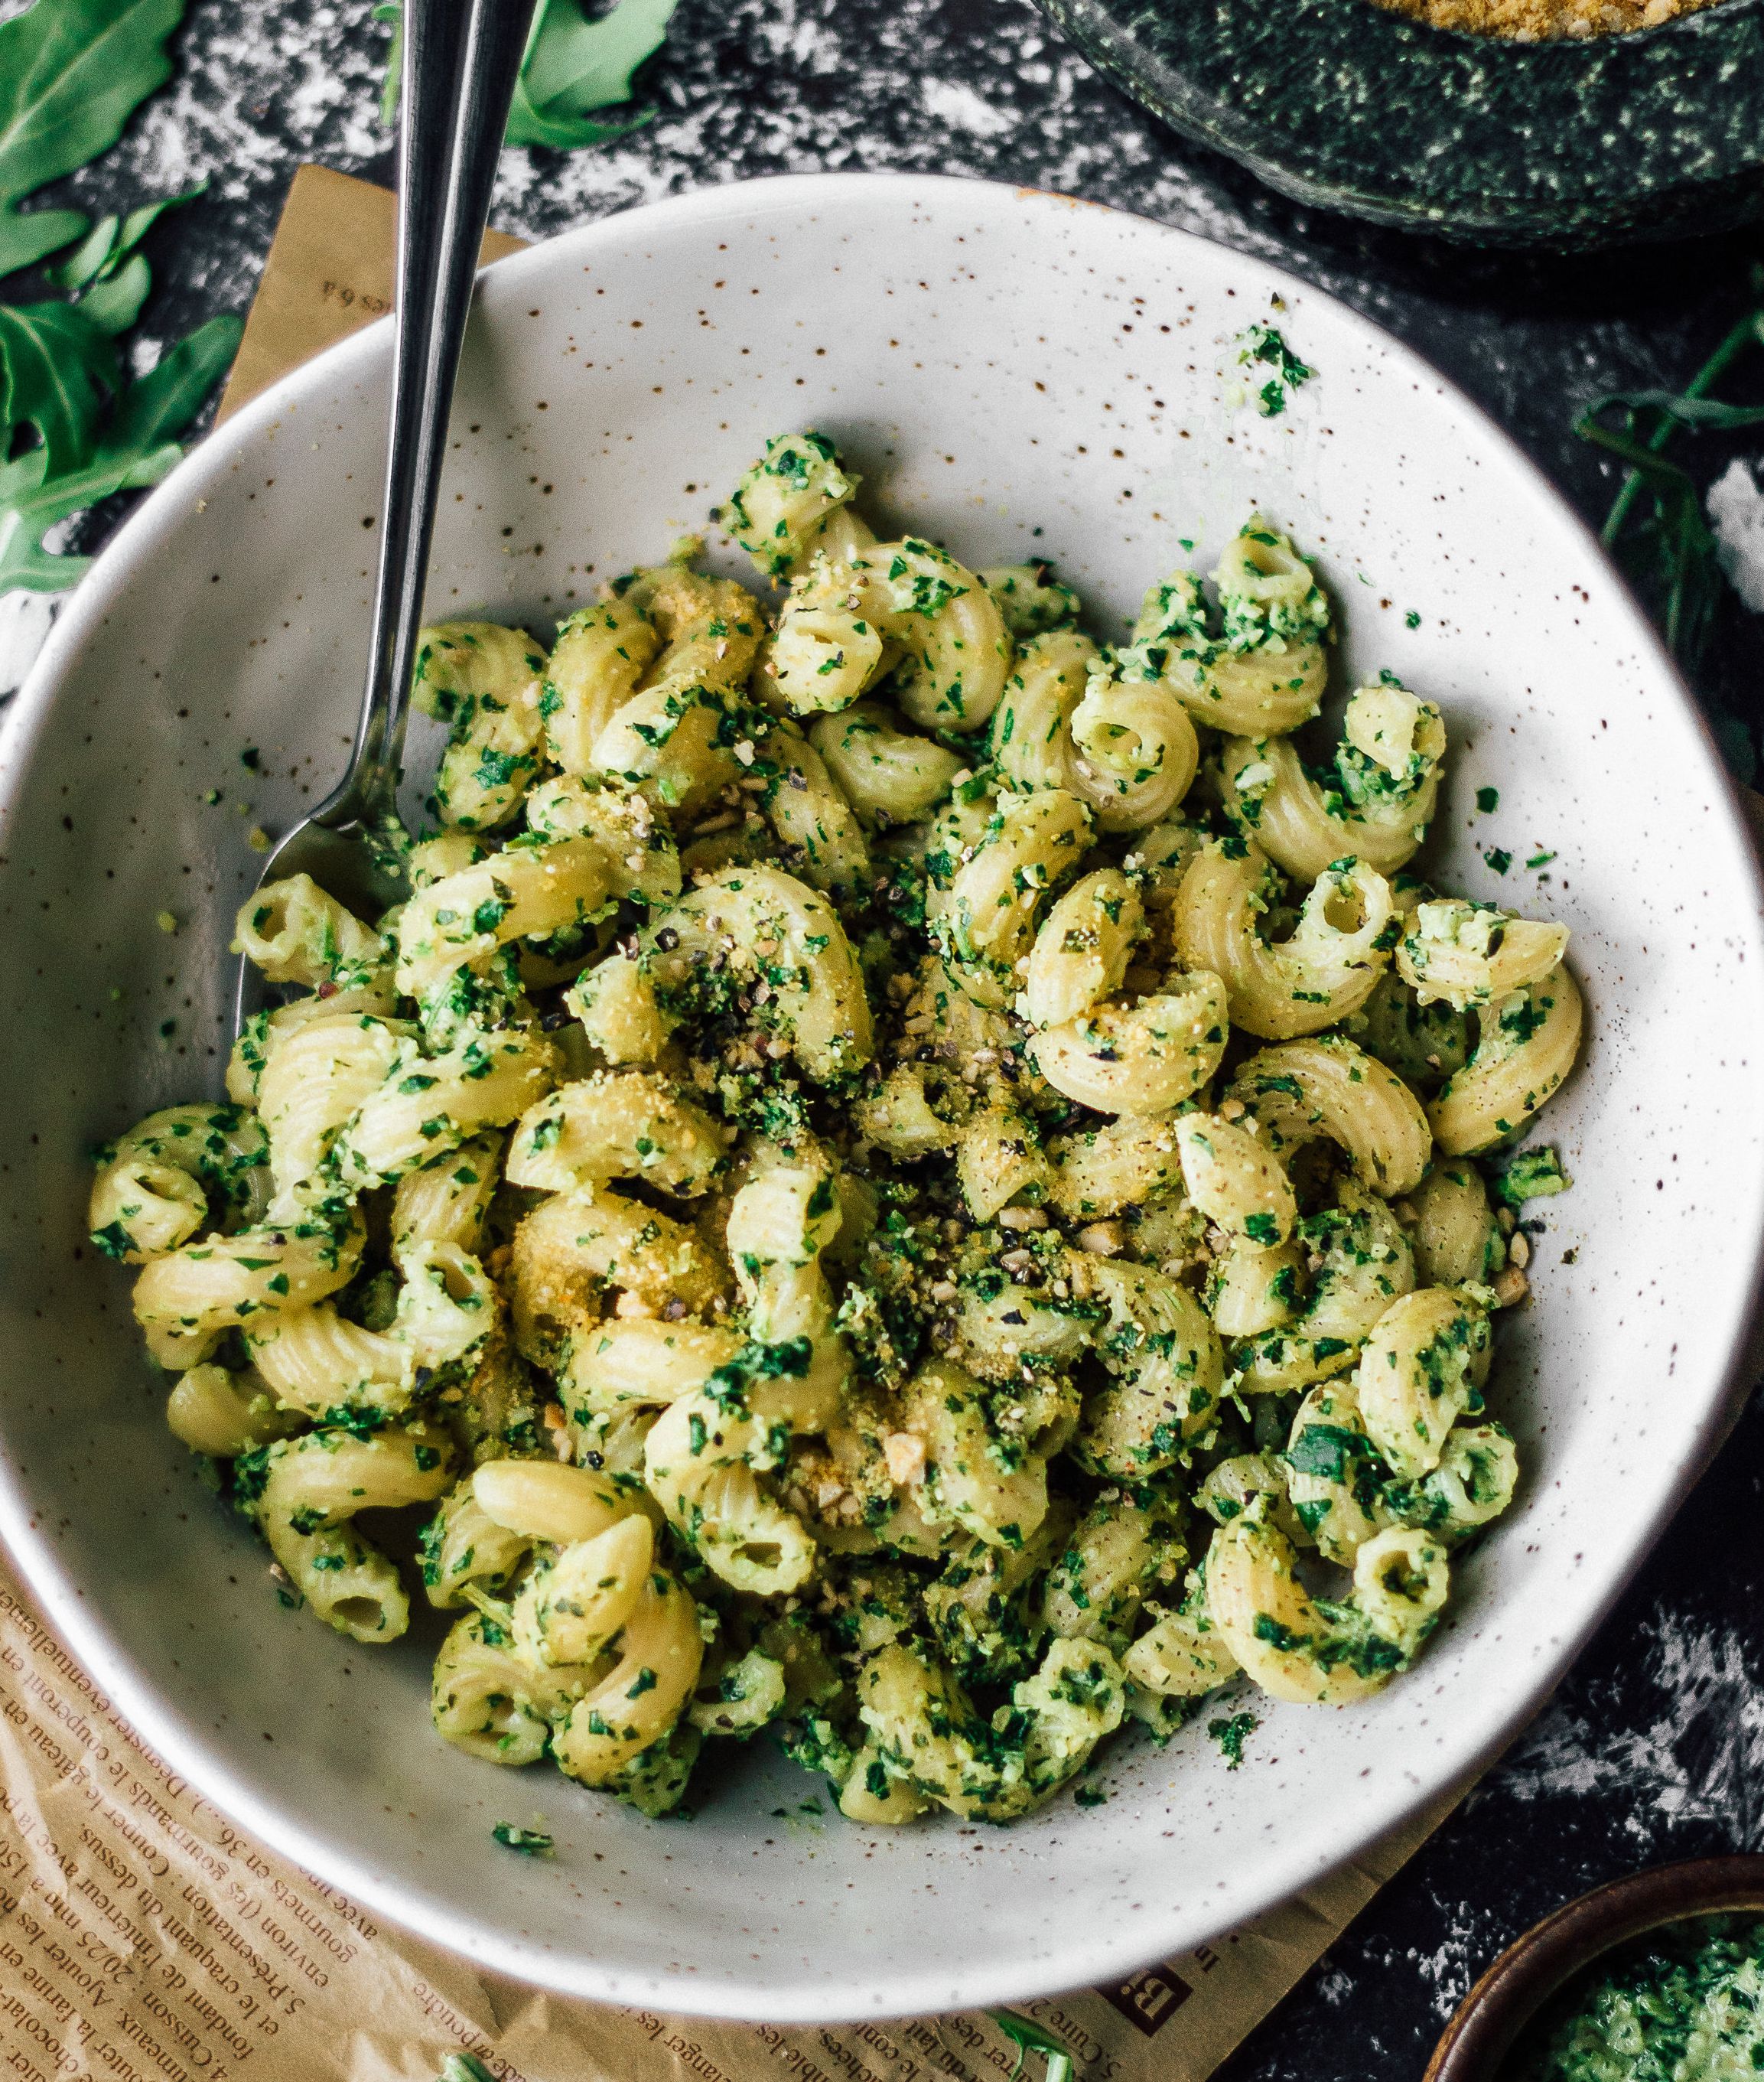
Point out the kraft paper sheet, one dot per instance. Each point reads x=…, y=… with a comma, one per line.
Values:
x=143, y=1938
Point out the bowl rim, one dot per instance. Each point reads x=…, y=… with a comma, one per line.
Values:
x=1092, y=1953
x=1540, y=1963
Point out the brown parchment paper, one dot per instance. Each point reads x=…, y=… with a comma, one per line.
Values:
x=143, y=1938
x=329, y=273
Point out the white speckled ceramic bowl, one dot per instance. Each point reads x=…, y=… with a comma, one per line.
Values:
x=1022, y=375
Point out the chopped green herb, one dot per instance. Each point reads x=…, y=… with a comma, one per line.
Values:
x=530, y=1843
x=1261, y=343
x=1533, y=1174
x=1232, y=1735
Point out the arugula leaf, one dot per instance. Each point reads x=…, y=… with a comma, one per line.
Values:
x=573, y=65
x=160, y=405
x=86, y=261
x=29, y=506
x=55, y=365
x=111, y=241
x=113, y=302
x=72, y=72
x=389, y=10
x=139, y=448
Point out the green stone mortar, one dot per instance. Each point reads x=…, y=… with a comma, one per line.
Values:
x=1606, y=141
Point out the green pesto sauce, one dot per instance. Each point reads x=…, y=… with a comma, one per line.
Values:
x=1686, y=2004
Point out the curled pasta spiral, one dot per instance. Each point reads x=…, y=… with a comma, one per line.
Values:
x=1115, y=738
x=1325, y=968
x=906, y=608
x=1374, y=803
x=1258, y=667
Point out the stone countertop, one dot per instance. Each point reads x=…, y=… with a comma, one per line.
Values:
x=1654, y=1748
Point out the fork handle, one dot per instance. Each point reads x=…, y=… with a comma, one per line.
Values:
x=461, y=60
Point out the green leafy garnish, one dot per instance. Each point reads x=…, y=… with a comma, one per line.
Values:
x=573, y=67
x=1260, y=342
x=72, y=72
x=1232, y=1735
x=530, y=1843
x=1657, y=526
x=56, y=368
x=1533, y=1174
x=32, y=503
x=1028, y=2037
x=73, y=430
x=106, y=267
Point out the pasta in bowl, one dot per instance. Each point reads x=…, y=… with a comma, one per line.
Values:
x=998, y=366
x=893, y=1182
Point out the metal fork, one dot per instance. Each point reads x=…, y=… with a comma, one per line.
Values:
x=460, y=61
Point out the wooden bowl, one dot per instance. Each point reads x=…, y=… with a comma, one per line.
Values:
x=1548, y=1956
x=1567, y=145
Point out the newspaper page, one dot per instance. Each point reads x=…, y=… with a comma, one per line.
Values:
x=143, y=1938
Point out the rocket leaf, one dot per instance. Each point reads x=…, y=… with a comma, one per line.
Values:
x=573, y=66
x=57, y=367
x=72, y=72
x=138, y=447
x=29, y=506
x=110, y=242
x=73, y=431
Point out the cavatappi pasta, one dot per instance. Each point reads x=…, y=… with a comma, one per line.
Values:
x=904, y=1176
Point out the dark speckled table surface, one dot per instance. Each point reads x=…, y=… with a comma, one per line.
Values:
x=1654, y=1748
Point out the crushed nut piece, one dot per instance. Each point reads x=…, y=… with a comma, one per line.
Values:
x=1102, y=1239
x=905, y=1455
